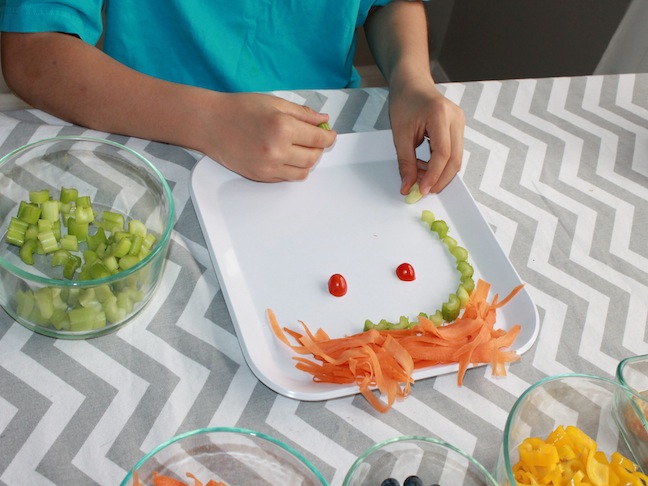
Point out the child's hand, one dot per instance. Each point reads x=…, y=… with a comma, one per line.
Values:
x=417, y=111
x=263, y=137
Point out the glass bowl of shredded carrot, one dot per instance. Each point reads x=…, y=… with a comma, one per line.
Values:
x=85, y=227
x=565, y=430
x=407, y=459
x=633, y=413
x=223, y=456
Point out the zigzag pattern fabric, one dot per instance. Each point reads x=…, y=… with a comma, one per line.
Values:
x=559, y=168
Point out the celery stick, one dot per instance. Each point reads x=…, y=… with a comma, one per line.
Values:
x=69, y=195
x=465, y=269
x=440, y=227
x=136, y=227
x=26, y=252
x=60, y=257
x=16, y=232
x=69, y=243
x=450, y=309
x=39, y=197
x=43, y=297
x=95, y=240
x=25, y=303
x=82, y=319
x=50, y=210
x=460, y=253
x=29, y=213
x=414, y=194
x=48, y=240
x=427, y=217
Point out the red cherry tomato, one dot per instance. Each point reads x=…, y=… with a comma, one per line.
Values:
x=337, y=285
x=405, y=272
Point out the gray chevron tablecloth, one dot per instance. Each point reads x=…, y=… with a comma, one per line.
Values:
x=559, y=168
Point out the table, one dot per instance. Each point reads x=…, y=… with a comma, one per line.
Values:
x=559, y=168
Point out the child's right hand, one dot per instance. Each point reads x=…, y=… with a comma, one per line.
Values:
x=263, y=137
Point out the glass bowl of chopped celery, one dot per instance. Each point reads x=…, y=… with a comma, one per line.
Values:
x=85, y=227
x=633, y=412
x=223, y=456
x=411, y=460
x=566, y=429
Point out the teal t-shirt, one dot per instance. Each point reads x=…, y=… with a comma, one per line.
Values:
x=226, y=45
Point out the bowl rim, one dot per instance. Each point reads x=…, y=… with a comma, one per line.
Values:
x=505, y=449
x=234, y=430
x=161, y=244
x=635, y=393
x=420, y=438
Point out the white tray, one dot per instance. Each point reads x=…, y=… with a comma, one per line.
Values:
x=276, y=245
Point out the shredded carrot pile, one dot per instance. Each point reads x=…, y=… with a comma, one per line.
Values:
x=161, y=480
x=384, y=360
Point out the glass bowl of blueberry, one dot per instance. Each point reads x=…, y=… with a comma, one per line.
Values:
x=417, y=461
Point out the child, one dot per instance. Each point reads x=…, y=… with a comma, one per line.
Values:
x=193, y=73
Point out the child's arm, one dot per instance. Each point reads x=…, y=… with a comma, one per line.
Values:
x=397, y=36
x=261, y=137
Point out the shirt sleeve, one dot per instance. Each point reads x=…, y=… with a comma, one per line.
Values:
x=82, y=18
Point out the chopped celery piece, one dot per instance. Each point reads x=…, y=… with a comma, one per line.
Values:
x=69, y=243
x=84, y=215
x=450, y=242
x=136, y=227
x=95, y=240
x=111, y=263
x=113, y=217
x=32, y=232
x=103, y=293
x=80, y=230
x=437, y=318
x=136, y=245
x=149, y=239
x=99, y=270
x=122, y=247
x=60, y=257
x=463, y=296
x=427, y=216
x=86, y=296
x=44, y=225
x=465, y=269
x=460, y=253
x=29, y=213
x=128, y=261
x=39, y=197
x=450, y=309
x=43, y=297
x=48, y=240
x=83, y=202
x=414, y=194
x=50, y=210
x=25, y=303
x=71, y=266
x=16, y=232
x=82, y=318
x=69, y=194
x=440, y=227
x=26, y=252
x=468, y=284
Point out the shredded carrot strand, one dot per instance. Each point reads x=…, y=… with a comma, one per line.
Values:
x=385, y=359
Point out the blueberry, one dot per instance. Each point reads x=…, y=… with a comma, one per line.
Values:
x=390, y=482
x=413, y=481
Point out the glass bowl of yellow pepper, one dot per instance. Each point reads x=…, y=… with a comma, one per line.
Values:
x=564, y=430
x=85, y=227
x=633, y=413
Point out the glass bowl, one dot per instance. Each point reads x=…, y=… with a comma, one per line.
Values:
x=590, y=403
x=69, y=302
x=231, y=456
x=432, y=460
x=633, y=373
